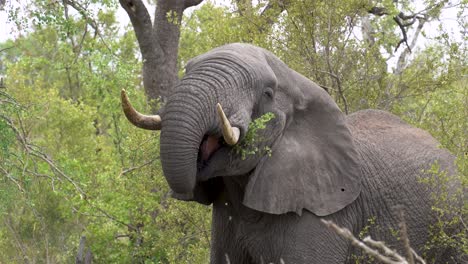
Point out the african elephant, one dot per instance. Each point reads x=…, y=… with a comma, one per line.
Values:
x=310, y=162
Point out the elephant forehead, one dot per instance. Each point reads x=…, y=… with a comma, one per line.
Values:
x=251, y=58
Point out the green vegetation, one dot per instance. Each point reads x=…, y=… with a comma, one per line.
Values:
x=72, y=166
x=251, y=144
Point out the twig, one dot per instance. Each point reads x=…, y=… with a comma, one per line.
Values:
x=417, y=257
x=356, y=242
x=82, y=10
x=372, y=247
x=7, y=48
x=137, y=167
x=386, y=251
x=20, y=245
x=404, y=235
x=13, y=179
x=399, y=22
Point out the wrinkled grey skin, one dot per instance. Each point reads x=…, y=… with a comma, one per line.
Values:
x=323, y=165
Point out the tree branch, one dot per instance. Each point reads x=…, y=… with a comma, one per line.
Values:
x=244, y=7
x=7, y=48
x=403, y=31
x=402, y=59
x=273, y=9
x=125, y=171
x=376, y=249
x=404, y=235
x=143, y=27
x=405, y=20
x=189, y=3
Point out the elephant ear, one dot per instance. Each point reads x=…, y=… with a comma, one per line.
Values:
x=314, y=165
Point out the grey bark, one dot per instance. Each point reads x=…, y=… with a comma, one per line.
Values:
x=159, y=43
x=84, y=255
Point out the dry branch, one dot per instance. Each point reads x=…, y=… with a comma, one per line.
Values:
x=376, y=249
x=404, y=21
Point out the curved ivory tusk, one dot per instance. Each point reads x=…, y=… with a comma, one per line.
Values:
x=150, y=122
x=230, y=134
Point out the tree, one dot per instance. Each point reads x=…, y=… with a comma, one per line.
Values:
x=159, y=43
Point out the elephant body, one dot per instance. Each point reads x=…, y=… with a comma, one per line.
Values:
x=387, y=146
x=310, y=162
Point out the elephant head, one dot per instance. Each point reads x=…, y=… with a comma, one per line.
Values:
x=312, y=163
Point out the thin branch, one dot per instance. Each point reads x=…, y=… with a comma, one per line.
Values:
x=383, y=248
x=128, y=170
x=356, y=242
x=7, y=48
x=13, y=179
x=403, y=31
x=417, y=257
x=189, y=3
x=201, y=229
x=404, y=54
x=376, y=249
x=402, y=19
x=404, y=234
x=82, y=10
x=20, y=245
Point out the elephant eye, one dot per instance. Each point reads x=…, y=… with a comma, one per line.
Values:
x=268, y=93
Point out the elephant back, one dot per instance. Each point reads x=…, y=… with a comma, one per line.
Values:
x=395, y=159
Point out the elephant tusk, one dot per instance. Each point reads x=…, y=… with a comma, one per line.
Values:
x=150, y=122
x=230, y=134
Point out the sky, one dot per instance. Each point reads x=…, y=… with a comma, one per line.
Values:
x=447, y=19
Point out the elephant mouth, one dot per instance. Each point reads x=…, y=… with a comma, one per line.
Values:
x=208, y=147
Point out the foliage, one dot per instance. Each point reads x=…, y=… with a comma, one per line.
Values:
x=251, y=144
x=450, y=210
x=71, y=164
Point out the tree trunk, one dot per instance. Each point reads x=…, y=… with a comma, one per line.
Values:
x=84, y=255
x=159, y=43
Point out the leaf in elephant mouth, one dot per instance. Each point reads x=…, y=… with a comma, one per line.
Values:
x=208, y=146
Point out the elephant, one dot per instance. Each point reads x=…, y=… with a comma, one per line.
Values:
x=309, y=162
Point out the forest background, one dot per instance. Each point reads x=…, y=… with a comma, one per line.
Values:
x=77, y=178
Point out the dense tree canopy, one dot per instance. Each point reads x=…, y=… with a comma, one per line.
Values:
x=72, y=167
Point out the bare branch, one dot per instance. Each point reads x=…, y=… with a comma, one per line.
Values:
x=402, y=59
x=273, y=9
x=376, y=249
x=404, y=234
x=23, y=247
x=403, y=31
x=356, y=242
x=91, y=22
x=11, y=178
x=417, y=257
x=275, y=4
x=378, y=11
x=7, y=48
x=386, y=251
x=405, y=20
x=137, y=167
x=189, y=3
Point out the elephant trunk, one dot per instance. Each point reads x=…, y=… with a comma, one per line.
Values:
x=188, y=117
